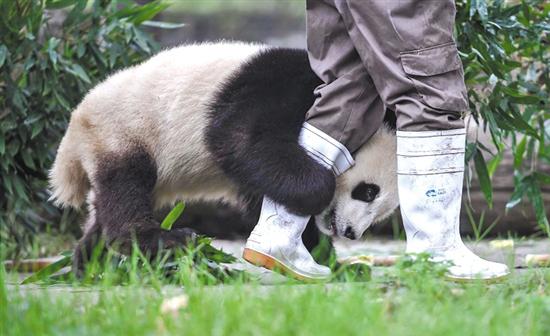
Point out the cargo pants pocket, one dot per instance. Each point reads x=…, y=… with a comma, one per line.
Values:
x=438, y=77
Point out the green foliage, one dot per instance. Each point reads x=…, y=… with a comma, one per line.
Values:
x=505, y=50
x=51, y=53
x=199, y=262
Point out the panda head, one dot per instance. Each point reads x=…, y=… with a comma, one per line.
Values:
x=365, y=194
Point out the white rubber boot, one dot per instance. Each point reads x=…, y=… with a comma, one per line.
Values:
x=276, y=241
x=276, y=244
x=430, y=168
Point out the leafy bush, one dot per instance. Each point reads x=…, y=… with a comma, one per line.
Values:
x=51, y=53
x=505, y=50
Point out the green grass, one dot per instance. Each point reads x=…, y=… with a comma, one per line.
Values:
x=124, y=295
x=409, y=299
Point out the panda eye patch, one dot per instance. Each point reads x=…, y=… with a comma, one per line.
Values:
x=365, y=192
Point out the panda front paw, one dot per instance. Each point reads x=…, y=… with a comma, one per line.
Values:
x=180, y=237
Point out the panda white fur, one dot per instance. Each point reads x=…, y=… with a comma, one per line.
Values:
x=205, y=122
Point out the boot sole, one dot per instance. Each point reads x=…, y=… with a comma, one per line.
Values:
x=497, y=279
x=263, y=260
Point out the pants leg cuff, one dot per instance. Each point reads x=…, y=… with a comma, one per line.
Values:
x=325, y=149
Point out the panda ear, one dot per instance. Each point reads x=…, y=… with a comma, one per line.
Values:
x=365, y=192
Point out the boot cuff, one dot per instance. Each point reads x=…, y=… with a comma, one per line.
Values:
x=325, y=149
x=430, y=152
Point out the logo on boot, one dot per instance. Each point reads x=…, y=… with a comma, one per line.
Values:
x=435, y=192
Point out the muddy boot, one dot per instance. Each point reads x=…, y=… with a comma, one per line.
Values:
x=430, y=177
x=276, y=244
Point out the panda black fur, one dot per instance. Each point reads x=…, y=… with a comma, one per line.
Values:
x=204, y=122
x=254, y=127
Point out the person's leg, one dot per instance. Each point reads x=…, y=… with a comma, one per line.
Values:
x=337, y=124
x=347, y=106
x=408, y=48
x=430, y=168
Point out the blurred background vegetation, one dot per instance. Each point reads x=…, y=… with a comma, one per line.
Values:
x=53, y=51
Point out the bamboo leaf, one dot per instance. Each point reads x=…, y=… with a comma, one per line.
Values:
x=481, y=8
x=518, y=97
x=535, y=196
x=519, y=152
x=542, y=178
x=172, y=216
x=470, y=151
x=59, y=4
x=76, y=13
x=517, y=195
x=473, y=8
x=163, y=25
x=483, y=177
x=49, y=270
x=3, y=54
x=27, y=158
x=494, y=163
x=139, y=14
x=78, y=71
x=216, y=255
x=36, y=129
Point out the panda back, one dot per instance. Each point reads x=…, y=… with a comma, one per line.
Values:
x=160, y=105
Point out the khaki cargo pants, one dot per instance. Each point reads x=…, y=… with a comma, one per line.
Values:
x=378, y=54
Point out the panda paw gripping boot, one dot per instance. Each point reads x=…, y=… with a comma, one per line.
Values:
x=430, y=168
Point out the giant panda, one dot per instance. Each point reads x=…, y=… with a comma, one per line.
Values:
x=209, y=122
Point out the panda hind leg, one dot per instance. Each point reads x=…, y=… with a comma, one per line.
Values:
x=124, y=205
x=88, y=247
